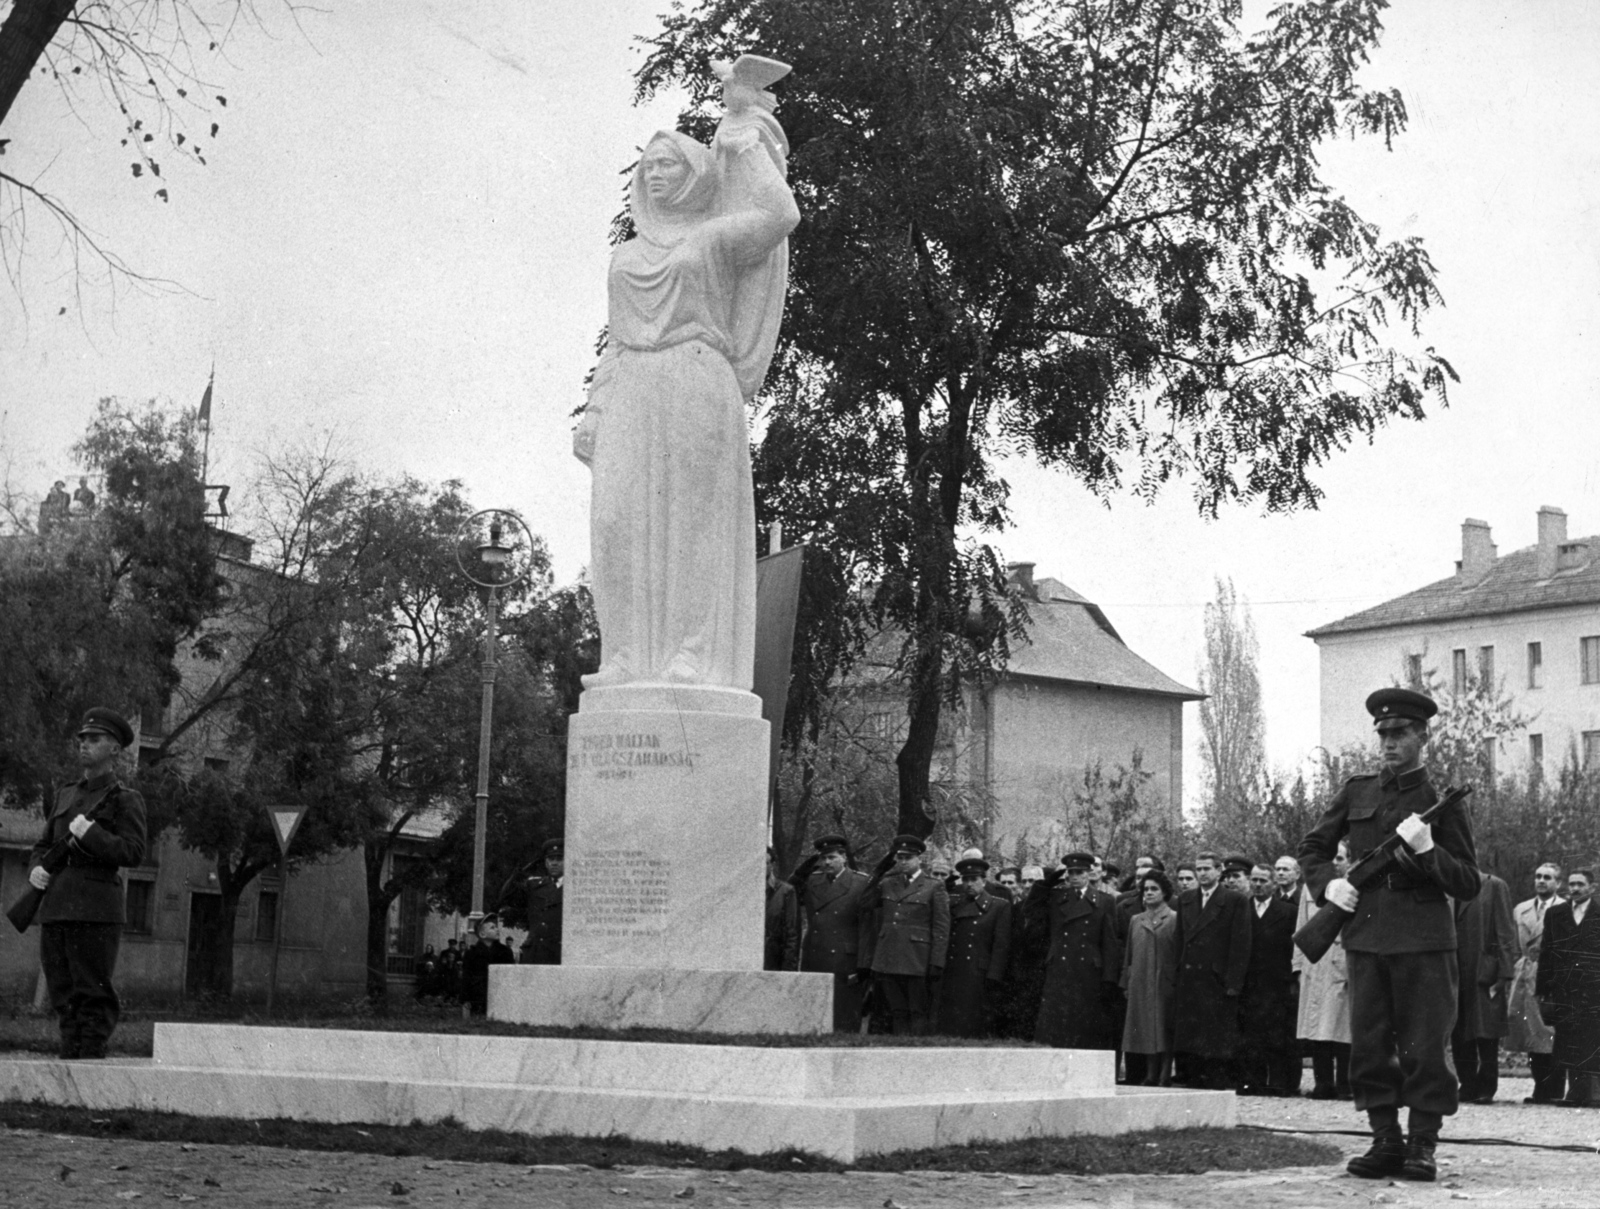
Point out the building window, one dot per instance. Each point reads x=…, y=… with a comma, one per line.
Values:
x=1591, y=749
x=1536, y=757
x=140, y=907
x=1414, y=671
x=1458, y=671
x=152, y=720
x=267, y=915
x=1535, y=665
x=1589, y=658
x=1486, y=667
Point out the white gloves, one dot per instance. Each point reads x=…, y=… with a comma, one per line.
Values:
x=1416, y=833
x=38, y=878
x=80, y=825
x=1342, y=894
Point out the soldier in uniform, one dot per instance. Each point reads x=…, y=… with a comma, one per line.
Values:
x=81, y=916
x=1083, y=961
x=543, y=890
x=980, y=942
x=830, y=899
x=910, y=935
x=1401, y=942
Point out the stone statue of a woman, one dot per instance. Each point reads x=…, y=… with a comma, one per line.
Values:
x=695, y=299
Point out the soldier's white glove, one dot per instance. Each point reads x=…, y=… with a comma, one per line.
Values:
x=80, y=825
x=38, y=878
x=1416, y=833
x=1342, y=894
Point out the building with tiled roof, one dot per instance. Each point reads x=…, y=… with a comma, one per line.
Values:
x=1528, y=623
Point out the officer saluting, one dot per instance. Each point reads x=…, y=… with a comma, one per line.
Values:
x=1401, y=941
x=830, y=899
x=81, y=917
x=544, y=893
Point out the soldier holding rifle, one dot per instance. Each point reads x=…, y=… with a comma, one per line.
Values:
x=1400, y=941
x=96, y=826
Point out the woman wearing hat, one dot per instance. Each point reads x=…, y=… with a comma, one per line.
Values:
x=1150, y=978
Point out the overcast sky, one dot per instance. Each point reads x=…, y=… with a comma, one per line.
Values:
x=401, y=239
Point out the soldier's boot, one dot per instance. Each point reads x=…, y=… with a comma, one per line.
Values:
x=1420, y=1163
x=1387, y=1154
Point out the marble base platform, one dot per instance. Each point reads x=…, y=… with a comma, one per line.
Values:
x=705, y=1001
x=840, y=1103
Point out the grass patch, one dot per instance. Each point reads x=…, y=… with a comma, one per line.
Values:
x=1151, y=1152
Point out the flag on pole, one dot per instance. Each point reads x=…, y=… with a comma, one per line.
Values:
x=205, y=401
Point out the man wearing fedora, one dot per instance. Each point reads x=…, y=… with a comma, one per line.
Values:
x=910, y=935
x=82, y=914
x=1400, y=942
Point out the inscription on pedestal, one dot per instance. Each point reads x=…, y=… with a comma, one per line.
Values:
x=624, y=755
x=621, y=892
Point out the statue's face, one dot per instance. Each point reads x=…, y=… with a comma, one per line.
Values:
x=664, y=171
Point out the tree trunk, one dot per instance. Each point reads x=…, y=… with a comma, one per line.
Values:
x=378, y=902
x=915, y=757
x=24, y=35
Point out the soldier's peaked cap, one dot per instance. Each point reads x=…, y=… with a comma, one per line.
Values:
x=972, y=862
x=555, y=846
x=1392, y=707
x=831, y=843
x=908, y=843
x=103, y=721
x=1078, y=860
x=1238, y=864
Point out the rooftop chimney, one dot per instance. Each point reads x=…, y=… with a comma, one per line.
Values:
x=1552, y=533
x=1021, y=574
x=1477, y=552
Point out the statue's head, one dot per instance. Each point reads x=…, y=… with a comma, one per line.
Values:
x=674, y=183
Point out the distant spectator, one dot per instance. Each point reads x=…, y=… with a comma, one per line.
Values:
x=1529, y=1034
x=1323, y=1019
x=1286, y=876
x=427, y=974
x=1569, y=987
x=489, y=950
x=782, y=949
x=1150, y=979
x=1486, y=958
x=1184, y=878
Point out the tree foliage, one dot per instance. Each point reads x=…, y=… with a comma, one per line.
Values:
x=1232, y=726
x=1093, y=234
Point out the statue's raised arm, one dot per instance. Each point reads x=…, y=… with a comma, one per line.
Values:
x=695, y=300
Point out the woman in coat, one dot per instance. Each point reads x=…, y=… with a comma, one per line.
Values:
x=1149, y=979
x=1323, y=1021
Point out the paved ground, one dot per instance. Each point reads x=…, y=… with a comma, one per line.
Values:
x=40, y=1170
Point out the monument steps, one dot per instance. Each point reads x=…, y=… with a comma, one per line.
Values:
x=840, y=1103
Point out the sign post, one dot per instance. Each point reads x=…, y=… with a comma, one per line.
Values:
x=285, y=822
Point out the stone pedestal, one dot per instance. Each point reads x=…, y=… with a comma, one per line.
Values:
x=665, y=887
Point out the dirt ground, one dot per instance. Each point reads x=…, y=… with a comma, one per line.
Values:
x=59, y=1172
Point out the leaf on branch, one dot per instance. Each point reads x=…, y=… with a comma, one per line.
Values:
x=149, y=138
x=155, y=168
x=162, y=194
x=183, y=92
x=62, y=311
x=3, y=143
x=223, y=101
x=213, y=130
x=180, y=140
x=138, y=170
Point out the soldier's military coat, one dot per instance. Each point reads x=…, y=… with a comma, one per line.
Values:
x=544, y=900
x=1083, y=964
x=89, y=889
x=835, y=923
x=1213, y=962
x=910, y=931
x=980, y=946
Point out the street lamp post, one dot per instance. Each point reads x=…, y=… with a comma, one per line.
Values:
x=493, y=559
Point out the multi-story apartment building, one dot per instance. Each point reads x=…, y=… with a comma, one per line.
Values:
x=1527, y=623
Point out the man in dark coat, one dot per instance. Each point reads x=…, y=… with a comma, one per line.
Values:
x=909, y=937
x=1083, y=962
x=980, y=944
x=102, y=823
x=1269, y=1058
x=1486, y=960
x=544, y=894
x=1400, y=944
x=830, y=902
x=1213, y=961
x=1568, y=987
x=782, y=923
x=490, y=950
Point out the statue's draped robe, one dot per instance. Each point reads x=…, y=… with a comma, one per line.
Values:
x=695, y=301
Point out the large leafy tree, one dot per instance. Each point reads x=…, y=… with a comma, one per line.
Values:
x=1233, y=752
x=1092, y=233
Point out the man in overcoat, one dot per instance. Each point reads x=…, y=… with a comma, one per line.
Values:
x=782, y=939
x=980, y=945
x=544, y=895
x=1528, y=1033
x=910, y=935
x=1486, y=957
x=830, y=900
x=1269, y=1058
x=1400, y=943
x=81, y=916
x=1083, y=962
x=1213, y=961
x=1569, y=987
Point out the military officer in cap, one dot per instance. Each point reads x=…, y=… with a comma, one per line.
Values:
x=1083, y=961
x=980, y=946
x=81, y=916
x=830, y=900
x=909, y=936
x=543, y=891
x=1401, y=942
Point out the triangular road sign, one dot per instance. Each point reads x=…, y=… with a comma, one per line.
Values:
x=285, y=822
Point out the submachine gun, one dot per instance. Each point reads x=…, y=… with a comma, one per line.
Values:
x=1323, y=928
x=21, y=912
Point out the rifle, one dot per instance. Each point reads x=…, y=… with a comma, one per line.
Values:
x=21, y=912
x=1323, y=928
